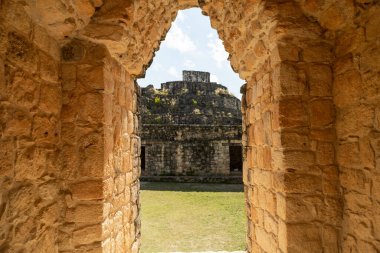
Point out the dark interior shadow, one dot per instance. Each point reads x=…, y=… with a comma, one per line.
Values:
x=191, y=187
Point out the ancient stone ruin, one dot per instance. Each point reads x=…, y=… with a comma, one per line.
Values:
x=69, y=128
x=191, y=131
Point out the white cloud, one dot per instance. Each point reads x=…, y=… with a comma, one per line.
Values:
x=177, y=39
x=218, y=53
x=214, y=78
x=189, y=64
x=156, y=66
x=181, y=16
x=174, y=72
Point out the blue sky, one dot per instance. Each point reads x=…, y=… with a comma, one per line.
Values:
x=191, y=44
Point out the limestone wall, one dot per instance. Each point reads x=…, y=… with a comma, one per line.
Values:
x=189, y=150
x=30, y=106
x=357, y=100
x=100, y=152
x=196, y=76
x=356, y=94
x=311, y=121
x=289, y=167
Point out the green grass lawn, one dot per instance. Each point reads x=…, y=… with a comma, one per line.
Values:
x=192, y=217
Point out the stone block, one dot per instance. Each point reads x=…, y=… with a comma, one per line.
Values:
x=368, y=59
x=91, y=76
x=270, y=224
x=89, y=213
x=348, y=155
x=320, y=80
x=21, y=89
x=294, y=160
x=20, y=200
x=330, y=239
x=292, y=113
x=376, y=226
x=87, y=235
x=372, y=29
x=325, y=154
x=374, y=139
x=69, y=76
x=284, y=52
x=317, y=53
x=282, y=236
x=263, y=178
x=271, y=203
x=7, y=157
x=353, y=120
x=50, y=214
x=91, y=108
x=303, y=210
x=267, y=125
x=131, y=126
x=87, y=190
x=298, y=183
x=258, y=132
x=48, y=67
x=322, y=113
x=41, y=38
x=251, y=136
x=267, y=158
x=356, y=202
x=349, y=244
x=289, y=140
x=50, y=98
x=19, y=124
x=91, y=148
x=120, y=183
x=304, y=236
x=376, y=122
x=349, y=41
x=70, y=162
x=288, y=80
x=3, y=85
x=347, y=88
x=49, y=191
x=45, y=129
x=331, y=211
x=326, y=134
x=344, y=64
x=265, y=240
x=367, y=154
x=17, y=16
x=21, y=52
x=359, y=224
x=376, y=187
x=250, y=115
x=330, y=181
x=355, y=179
x=364, y=246
x=28, y=158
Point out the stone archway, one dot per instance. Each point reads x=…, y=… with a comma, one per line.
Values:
x=69, y=121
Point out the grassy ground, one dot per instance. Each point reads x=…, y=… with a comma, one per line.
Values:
x=192, y=217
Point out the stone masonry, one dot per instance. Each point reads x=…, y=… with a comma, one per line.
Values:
x=191, y=131
x=69, y=128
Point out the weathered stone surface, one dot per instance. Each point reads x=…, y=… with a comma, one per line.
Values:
x=87, y=190
x=191, y=130
x=260, y=36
